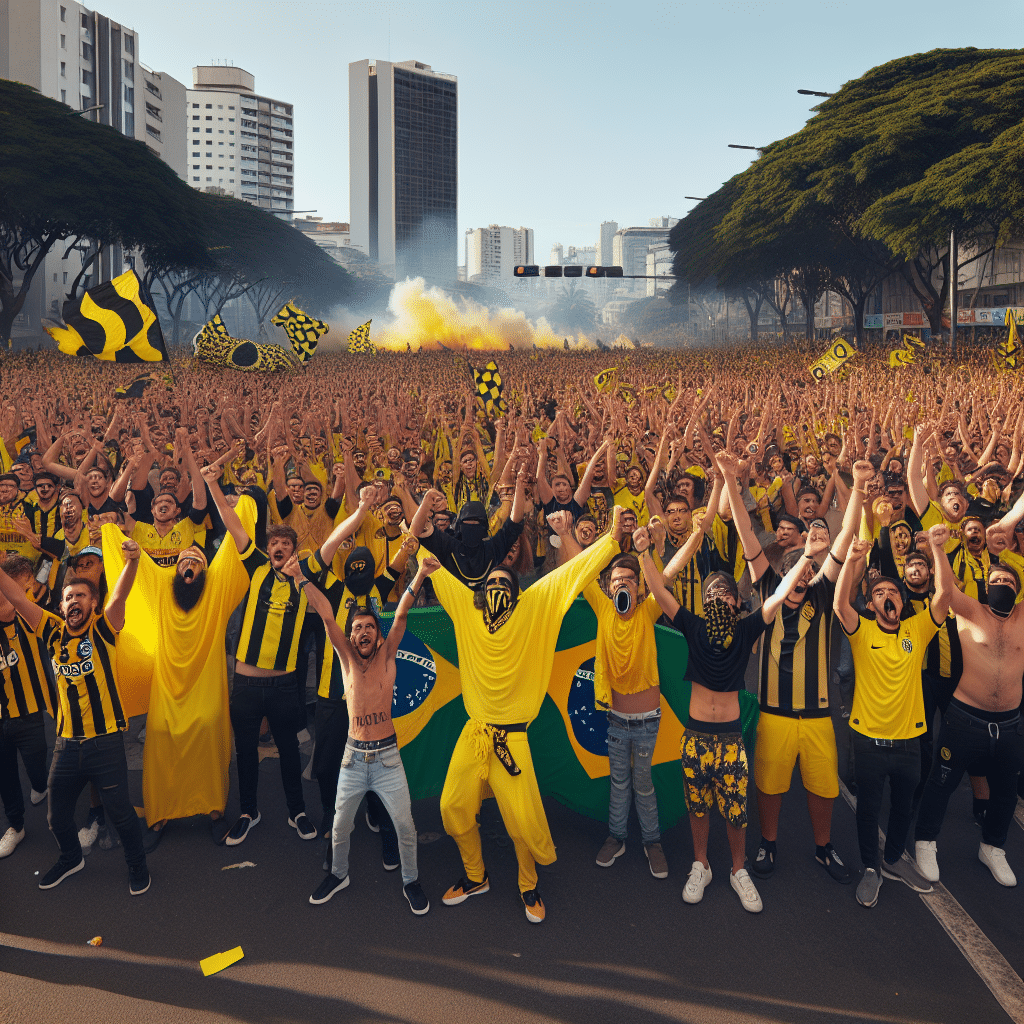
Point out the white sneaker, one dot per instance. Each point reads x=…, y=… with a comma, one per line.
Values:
x=36, y=797
x=699, y=880
x=10, y=841
x=993, y=857
x=87, y=837
x=740, y=881
x=924, y=854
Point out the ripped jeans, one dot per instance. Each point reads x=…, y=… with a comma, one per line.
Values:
x=630, y=753
x=100, y=760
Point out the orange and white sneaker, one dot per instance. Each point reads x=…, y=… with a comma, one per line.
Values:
x=463, y=889
x=534, y=906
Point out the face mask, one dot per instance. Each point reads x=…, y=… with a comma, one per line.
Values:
x=1001, y=599
x=498, y=606
x=472, y=534
x=721, y=623
x=623, y=601
x=359, y=572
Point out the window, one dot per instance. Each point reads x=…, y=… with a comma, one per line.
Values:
x=209, y=179
x=129, y=45
x=63, y=14
x=129, y=95
x=195, y=167
x=231, y=181
x=231, y=120
x=209, y=131
x=65, y=277
x=231, y=108
x=88, y=77
x=194, y=155
x=63, y=95
x=195, y=179
x=195, y=117
x=129, y=70
x=195, y=106
x=220, y=131
x=195, y=129
x=209, y=106
x=220, y=106
x=63, y=42
x=63, y=69
x=208, y=118
x=209, y=167
x=86, y=51
x=85, y=21
x=231, y=133
x=129, y=125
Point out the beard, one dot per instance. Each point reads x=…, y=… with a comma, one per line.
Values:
x=188, y=594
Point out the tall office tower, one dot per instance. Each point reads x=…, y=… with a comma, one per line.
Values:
x=403, y=157
x=240, y=143
x=604, y=243
x=493, y=252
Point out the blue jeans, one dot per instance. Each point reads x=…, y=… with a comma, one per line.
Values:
x=381, y=772
x=630, y=752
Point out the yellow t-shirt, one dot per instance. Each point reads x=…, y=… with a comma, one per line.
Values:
x=165, y=550
x=933, y=514
x=626, y=660
x=636, y=503
x=888, y=702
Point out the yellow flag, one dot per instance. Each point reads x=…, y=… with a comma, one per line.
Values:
x=359, y=340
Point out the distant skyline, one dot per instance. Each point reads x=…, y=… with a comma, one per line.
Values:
x=572, y=113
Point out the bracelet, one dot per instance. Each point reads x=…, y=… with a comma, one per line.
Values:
x=302, y=583
x=754, y=559
x=412, y=593
x=838, y=561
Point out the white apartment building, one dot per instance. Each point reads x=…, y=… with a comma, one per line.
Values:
x=557, y=255
x=239, y=143
x=605, y=243
x=84, y=59
x=403, y=159
x=629, y=251
x=658, y=264
x=493, y=252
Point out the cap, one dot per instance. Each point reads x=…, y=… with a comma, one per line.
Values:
x=90, y=550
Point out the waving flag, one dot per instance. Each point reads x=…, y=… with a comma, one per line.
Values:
x=303, y=330
x=214, y=345
x=489, y=389
x=359, y=340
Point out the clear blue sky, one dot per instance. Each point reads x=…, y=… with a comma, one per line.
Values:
x=570, y=113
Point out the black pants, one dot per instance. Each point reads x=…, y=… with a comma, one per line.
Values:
x=100, y=760
x=331, y=726
x=935, y=698
x=971, y=746
x=24, y=734
x=282, y=701
x=901, y=765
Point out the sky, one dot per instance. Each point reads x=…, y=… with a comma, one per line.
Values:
x=570, y=113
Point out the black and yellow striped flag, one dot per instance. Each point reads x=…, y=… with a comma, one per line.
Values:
x=137, y=387
x=489, y=389
x=303, y=330
x=359, y=340
x=111, y=322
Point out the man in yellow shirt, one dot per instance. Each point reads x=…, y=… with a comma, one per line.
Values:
x=888, y=714
x=506, y=646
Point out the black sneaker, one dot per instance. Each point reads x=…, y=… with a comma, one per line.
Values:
x=302, y=825
x=763, y=865
x=151, y=839
x=240, y=829
x=138, y=880
x=389, y=849
x=327, y=888
x=534, y=906
x=60, y=871
x=418, y=902
x=834, y=866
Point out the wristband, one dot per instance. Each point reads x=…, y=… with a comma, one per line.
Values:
x=836, y=560
x=760, y=551
x=412, y=593
x=302, y=583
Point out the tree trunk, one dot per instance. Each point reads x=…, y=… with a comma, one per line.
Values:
x=753, y=312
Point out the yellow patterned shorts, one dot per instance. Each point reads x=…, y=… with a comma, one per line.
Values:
x=715, y=769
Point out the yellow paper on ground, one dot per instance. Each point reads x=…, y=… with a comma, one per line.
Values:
x=217, y=962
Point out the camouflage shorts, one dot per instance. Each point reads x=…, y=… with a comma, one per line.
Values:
x=715, y=769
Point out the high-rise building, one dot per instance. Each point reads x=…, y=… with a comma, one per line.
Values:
x=84, y=59
x=403, y=157
x=629, y=250
x=604, y=243
x=557, y=255
x=240, y=144
x=493, y=252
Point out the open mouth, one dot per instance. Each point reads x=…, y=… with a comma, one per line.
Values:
x=890, y=609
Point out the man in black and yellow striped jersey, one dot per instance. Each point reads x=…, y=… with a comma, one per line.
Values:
x=269, y=682
x=90, y=716
x=26, y=692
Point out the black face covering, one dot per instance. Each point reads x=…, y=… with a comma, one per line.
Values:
x=1001, y=599
x=472, y=534
x=187, y=594
x=359, y=571
x=499, y=603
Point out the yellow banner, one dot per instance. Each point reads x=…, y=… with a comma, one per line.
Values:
x=839, y=352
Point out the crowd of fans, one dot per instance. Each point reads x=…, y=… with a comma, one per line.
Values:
x=864, y=531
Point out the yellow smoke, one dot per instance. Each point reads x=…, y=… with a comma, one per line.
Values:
x=427, y=318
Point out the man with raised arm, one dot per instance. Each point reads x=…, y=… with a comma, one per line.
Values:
x=506, y=646
x=981, y=728
x=371, y=762
x=888, y=715
x=90, y=718
x=714, y=759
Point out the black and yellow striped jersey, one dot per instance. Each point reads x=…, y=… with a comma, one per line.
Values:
x=85, y=667
x=27, y=686
x=688, y=584
x=944, y=658
x=45, y=522
x=275, y=611
x=793, y=667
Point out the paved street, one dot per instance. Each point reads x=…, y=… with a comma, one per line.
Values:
x=618, y=945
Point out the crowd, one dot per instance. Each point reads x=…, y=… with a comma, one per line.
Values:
x=864, y=529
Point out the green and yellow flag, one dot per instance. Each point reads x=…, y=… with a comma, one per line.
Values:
x=489, y=389
x=111, y=322
x=303, y=330
x=359, y=340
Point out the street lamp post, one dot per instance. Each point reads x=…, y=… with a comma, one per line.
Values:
x=813, y=92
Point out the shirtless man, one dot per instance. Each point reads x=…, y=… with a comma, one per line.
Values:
x=371, y=760
x=981, y=729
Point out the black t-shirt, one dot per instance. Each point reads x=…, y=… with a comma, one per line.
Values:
x=721, y=671
x=572, y=506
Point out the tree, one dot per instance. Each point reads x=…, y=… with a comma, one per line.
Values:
x=66, y=179
x=573, y=309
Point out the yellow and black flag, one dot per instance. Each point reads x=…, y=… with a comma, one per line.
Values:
x=1007, y=355
x=214, y=345
x=607, y=380
x=111, y=322
x=137, y=387
x=303, y=330
x=359, y=340
x=908, y=353
x=489, y=389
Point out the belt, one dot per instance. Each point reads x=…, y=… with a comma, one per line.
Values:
x=635, y=717
x=499, y=737
x=387, y=741
x=285, y=682
x=898, y=744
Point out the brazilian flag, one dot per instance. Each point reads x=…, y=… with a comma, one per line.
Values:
x=568, y=739
x=303, y=330
x=111, y=322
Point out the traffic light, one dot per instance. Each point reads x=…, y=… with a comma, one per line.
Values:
x=571, y=271
x=596, y=271
x=554, y=271
x=612, y=271
x=526, y=271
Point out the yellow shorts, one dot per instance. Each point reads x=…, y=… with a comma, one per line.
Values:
x=781, y=740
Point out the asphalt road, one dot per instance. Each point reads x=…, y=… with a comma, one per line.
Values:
x=617, y=945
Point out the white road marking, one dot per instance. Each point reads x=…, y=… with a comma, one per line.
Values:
x=990, y=965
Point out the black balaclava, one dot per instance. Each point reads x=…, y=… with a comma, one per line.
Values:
x=720, y=618
x=499, y=602
x=471, y=534
x=359, y=571
x=1001, y=599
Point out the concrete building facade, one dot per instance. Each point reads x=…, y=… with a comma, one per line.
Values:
x=605, y=243
x=403, y=177
x=238, y=142
x=493, y=252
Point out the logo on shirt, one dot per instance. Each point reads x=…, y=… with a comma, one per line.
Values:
x=84, y=649
x=945, y=754
x=908, y=645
